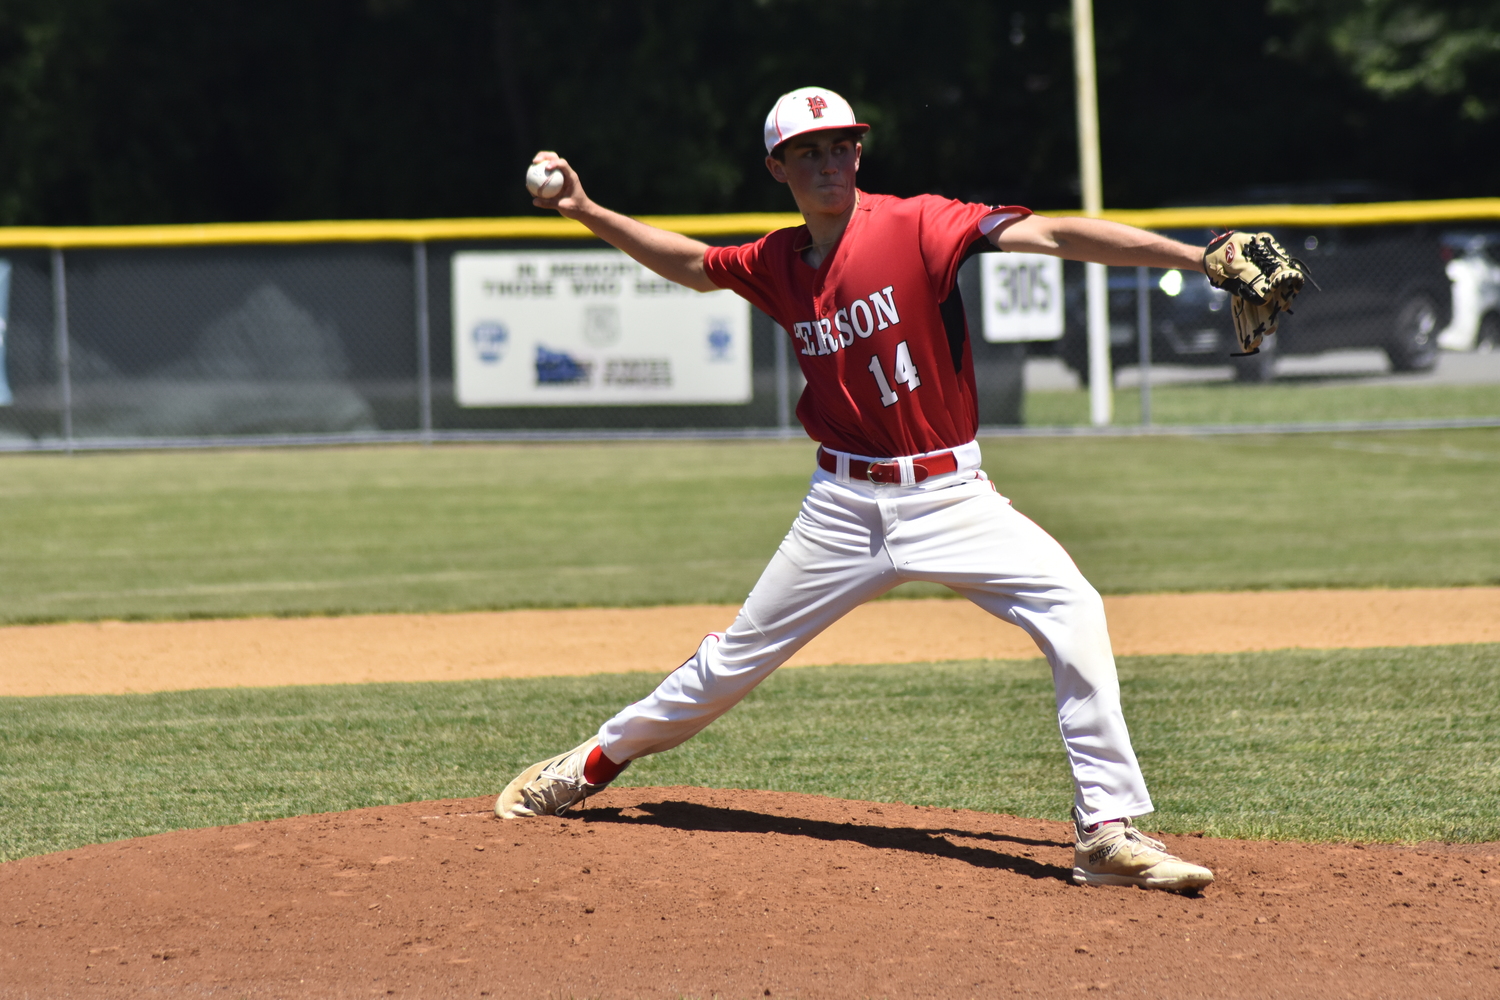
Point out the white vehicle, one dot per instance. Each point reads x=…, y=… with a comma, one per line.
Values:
x=1475, y=271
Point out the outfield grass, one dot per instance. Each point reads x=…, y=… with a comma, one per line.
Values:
x=325, y=531
x=1278, y=403
x=1375, y=745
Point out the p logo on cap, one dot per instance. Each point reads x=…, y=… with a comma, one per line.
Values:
x=809, y=109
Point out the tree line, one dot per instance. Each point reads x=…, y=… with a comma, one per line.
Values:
x=147, y=111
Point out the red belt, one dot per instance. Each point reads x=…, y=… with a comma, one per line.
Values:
x=890, y=471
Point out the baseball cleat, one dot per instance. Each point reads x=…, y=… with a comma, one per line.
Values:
x=549, y=788
x=1116, y=853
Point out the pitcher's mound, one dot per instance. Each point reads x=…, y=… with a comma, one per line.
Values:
x=688, y=892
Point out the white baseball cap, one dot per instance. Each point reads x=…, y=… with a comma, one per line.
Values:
x=808, y=109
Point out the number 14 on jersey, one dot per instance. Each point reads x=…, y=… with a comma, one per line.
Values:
x=905, y=374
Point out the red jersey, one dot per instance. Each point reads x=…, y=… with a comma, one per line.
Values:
x=879, y=328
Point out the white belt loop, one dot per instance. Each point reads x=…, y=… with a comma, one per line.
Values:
x=908, y=475
x=968, y=457
x=841, y=464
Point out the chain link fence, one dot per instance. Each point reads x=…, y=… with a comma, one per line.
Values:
x=302, y=342
x=268, y=344
x=1397, y=329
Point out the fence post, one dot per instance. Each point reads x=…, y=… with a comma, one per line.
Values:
x=60, y=334
x=1101, y=374
x=424, y=337
x=1143, y=331
x=783, y=382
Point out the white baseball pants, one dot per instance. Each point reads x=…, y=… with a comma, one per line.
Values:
x=853, y=541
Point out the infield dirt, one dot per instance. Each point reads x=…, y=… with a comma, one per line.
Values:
x=114, y=657
x=683, y=892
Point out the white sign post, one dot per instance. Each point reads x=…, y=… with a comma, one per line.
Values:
x=1022, y=296
x=591, y=328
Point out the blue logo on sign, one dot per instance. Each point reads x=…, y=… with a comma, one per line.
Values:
x=490, y=340
x=560, y=368
x=719, y=340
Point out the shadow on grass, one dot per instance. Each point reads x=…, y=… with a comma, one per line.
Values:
x=934, y=843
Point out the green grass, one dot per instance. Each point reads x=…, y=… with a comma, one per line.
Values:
x=1377, y=745
x=1262, y=512
x=389, y=529
x=1278, y=403
x=332, y=531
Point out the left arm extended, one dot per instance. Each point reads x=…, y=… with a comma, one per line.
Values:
x=1097, y=241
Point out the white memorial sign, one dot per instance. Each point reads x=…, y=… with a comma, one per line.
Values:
x=1022, y=295
x=591, y=327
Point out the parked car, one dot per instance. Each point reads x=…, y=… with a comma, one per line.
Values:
x=1475, y=272
x=1379, y=286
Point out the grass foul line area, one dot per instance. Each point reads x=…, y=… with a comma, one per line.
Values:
x=487, y=527
x=1367, y=745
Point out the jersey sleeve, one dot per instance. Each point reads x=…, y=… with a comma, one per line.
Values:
x=949, y=229
x=743, y=270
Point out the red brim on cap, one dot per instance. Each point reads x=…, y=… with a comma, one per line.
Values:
x=863, y=128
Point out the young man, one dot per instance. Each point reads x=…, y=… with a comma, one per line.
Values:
x=867, y=289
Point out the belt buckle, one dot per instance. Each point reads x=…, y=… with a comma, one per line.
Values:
x=870, y=472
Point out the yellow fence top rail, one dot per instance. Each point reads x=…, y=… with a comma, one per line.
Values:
x=541, y=227
x=1375, y=213
x=742, y=224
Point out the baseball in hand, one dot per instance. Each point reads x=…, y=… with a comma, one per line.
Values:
x=544, y=183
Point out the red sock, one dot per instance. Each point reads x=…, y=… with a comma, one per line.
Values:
x=599, y=769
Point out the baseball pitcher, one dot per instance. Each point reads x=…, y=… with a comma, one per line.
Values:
x=867, y=291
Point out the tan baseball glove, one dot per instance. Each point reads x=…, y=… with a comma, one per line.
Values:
x=1263, y=279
